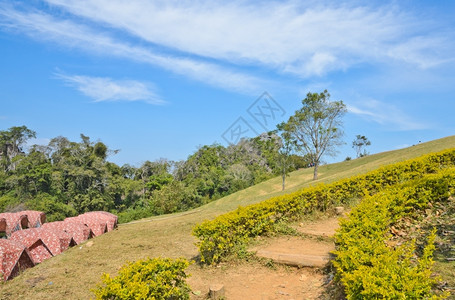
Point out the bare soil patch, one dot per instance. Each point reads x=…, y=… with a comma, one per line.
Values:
x=324, y=227
x=254, y=281
x=297, y=245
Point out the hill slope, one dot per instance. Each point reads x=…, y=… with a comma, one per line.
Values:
x=72, y=274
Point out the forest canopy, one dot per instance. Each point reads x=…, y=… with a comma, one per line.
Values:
x=66, y=178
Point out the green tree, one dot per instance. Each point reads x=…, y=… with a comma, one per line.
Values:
x=287, y=146
x=80, y=174
x=174, y=197
x=32, y=175
x=316, y=127
x=359, y=144
x=154, y=175
x=11, y=142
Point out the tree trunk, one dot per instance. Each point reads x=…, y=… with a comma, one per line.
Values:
x=284, y=180
x=315, y=174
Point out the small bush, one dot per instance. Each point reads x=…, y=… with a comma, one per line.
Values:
x=157, y=278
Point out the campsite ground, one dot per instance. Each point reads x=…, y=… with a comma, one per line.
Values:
x=72, y=274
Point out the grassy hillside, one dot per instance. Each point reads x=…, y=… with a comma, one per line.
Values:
x=73, y=273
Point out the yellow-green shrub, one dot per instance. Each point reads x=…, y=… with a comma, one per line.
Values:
x=366, y=265
x=157, y=278
x=219, y=236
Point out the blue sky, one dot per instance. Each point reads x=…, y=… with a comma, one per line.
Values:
x=160, y=78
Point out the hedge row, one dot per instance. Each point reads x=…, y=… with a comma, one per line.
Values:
x=218, y=237
x=157, y=278
x=371, y=269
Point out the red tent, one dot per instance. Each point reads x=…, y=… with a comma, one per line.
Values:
x=110, y=219
x=55, y=240
x=31, y=238
x=98, y=226
x=35, y=218
x=14, y=258
x=78, y=231
x=14, y=222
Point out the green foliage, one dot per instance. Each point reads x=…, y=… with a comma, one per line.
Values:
x=131, y=214
x=158, y=278
x=218, y=237
x=371, y=268
x=394, y=274
x=216, y=171
x=7, y=201
x=55, y=210
x=174, y=197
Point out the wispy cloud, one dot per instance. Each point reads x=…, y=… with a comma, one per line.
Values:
x=42, y=26
x=306, y=39
x=108, y=89
x=215, y=42
x=386, y=114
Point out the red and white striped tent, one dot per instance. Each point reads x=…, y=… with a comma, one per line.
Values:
x=78, y=231
x=14, y=258
x=31, y=238
x=35, y=218
x=14, y=222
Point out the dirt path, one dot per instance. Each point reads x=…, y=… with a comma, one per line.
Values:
x=276, y=277
x=321, y=228
x=254, y=281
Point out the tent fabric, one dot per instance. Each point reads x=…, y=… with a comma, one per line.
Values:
x=111, y=219
x=31, y=238
x=35, y=218
x=96, y=225
x=78, y=231
x=14, y=222
x=14, y=258
x=26, y=247
x=56, y=240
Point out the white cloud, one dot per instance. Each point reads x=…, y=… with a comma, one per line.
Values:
x=386, y=114
x=305, y=39
x=108, y=89
x=42, y=26
x=426, y=52
x=211, y=41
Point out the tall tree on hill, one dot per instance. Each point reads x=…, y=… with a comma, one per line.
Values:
x=316, y=128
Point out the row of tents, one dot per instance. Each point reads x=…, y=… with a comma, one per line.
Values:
x=28, y=239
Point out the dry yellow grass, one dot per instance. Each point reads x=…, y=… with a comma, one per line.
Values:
x=72, y=274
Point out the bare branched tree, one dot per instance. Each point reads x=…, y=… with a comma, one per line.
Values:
x=316, y=128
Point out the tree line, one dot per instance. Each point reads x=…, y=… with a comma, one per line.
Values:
x=66, y=178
